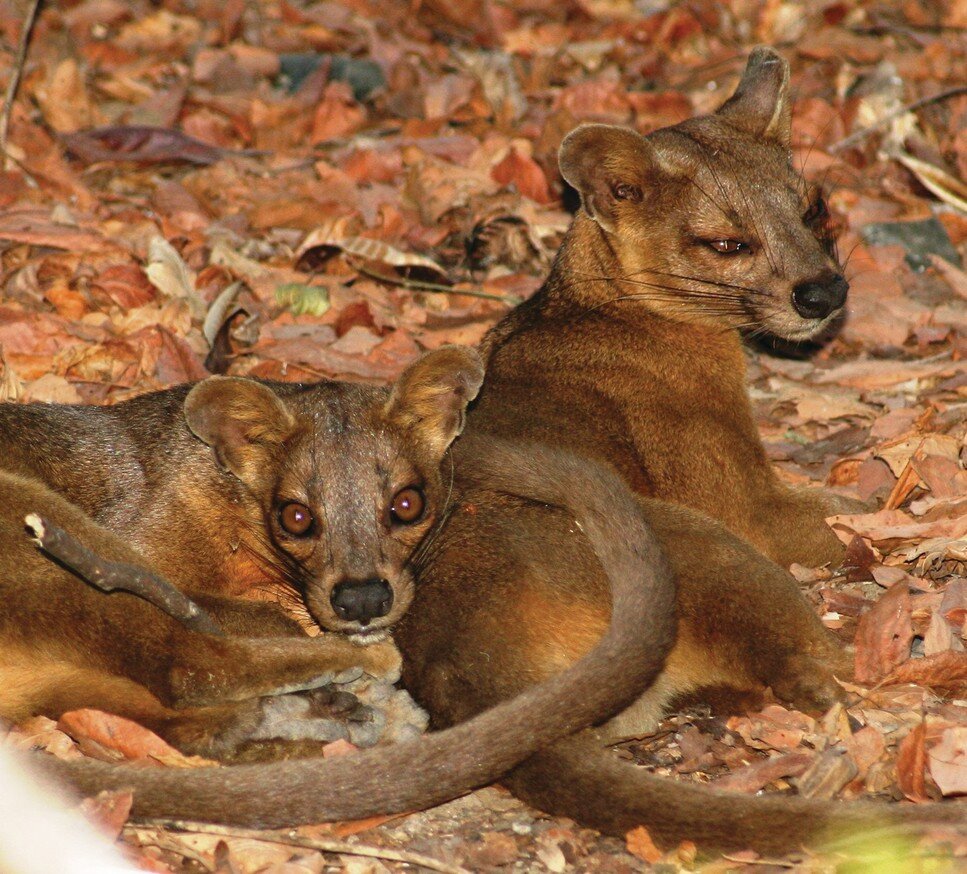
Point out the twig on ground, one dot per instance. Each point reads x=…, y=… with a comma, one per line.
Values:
x=110, y=576
x=291, y=839
x=15, y=75
x=863, y=133
x=434, y=287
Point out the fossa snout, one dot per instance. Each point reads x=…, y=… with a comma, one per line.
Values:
x=362, y=601
x=818, y=299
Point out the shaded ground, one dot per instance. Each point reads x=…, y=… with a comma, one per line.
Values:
x=367, y=179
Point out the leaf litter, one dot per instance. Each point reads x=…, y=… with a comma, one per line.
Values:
x=304, y=190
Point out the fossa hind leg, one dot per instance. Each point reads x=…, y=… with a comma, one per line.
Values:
x=743, y=623
x=534, y=601
x=64, y=645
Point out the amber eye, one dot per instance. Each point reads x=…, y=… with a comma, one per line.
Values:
x=296, y=519
x=728, y=247
x=408, y=505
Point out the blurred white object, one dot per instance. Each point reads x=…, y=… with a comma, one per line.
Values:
x=40, y=834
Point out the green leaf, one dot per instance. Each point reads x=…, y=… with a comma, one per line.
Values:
x=303, y=299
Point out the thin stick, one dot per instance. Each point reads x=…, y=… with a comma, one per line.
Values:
x=434, y=287
x=110, y=576
x=15, y=75
x=290, y=839
x=861, y=134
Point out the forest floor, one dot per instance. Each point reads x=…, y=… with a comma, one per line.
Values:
x=299, y=189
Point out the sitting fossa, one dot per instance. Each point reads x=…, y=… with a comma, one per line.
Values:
x=631, y=356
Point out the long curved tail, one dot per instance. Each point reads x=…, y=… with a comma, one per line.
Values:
x=580, y=778
x=440, y=766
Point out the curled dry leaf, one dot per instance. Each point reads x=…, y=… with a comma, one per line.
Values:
x=126, y=737
x=11, y=388
x=948, y=188
x=168, y=272
x=910, y=764
x=759, y=774
x=369, y=252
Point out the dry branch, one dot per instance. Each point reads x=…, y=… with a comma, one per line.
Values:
x=111, y=576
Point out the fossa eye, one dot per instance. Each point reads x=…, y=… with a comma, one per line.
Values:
x=817, y=212
x=296, y=519
x=408, y=505
x=729, y=247
x=626, y=191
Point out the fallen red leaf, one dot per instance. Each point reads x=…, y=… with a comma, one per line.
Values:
x=911, y=763
x=114, y=732
x=639, y=843
x=884, y=635
x=141, y=145
x=944, y=672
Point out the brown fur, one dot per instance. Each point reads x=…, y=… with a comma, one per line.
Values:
x=631, y=356
x=438, y=767
x=191, y=481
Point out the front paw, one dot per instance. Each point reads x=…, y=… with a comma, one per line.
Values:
x=382, y=660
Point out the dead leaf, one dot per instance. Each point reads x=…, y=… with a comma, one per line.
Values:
x=168, y=272
x=946, y=672
x=760, y=774
x=884, y=635
x=910, y=764
x=140, y=145
x=639, y=843
x=948, y=188
x=948, y=761
x=368, y=251
x=109, y=811
x=116, y=733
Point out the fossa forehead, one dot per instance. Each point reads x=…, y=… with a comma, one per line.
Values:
x=710, y=146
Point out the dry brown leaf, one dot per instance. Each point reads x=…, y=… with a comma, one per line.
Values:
x=910, y=764
x=116, y=733
x=948, y=188
x=884, y=635
x=109, y=811
x=369, y=251
x=945, y=672
x=757, y=775
x=948, y=761
x=140, y=145
x=639, y=843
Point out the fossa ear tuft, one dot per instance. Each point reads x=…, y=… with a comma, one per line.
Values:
x=760, y=104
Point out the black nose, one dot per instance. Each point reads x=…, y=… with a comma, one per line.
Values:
x=362, y=600
x=816, y=300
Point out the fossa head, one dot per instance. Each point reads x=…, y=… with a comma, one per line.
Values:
x=342, y=481
x=708, y=219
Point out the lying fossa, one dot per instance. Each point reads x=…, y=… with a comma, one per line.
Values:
x=630, y=355
x=316, y=494
x=320, y=490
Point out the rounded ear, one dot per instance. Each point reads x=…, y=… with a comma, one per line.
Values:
x=760, y=104
x=430, y=399
x=240, y=419
x=606, y=165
